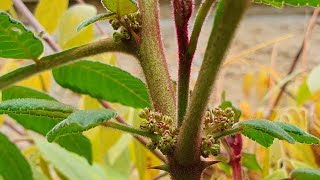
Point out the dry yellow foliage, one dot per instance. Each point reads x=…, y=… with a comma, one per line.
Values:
x=5, y=5
x=49, y=13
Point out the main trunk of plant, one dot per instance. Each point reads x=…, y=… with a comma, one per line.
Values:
x=189, y=172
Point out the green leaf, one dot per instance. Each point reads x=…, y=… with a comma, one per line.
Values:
x=260, y=137
x=13, y=165
x=71, y=165
x=313, y=80
x=305, y=174
x=120, y=7
x=250, y=161
x=226, y=104
x=277, y=175
x=80, y=121
x=76, y=143
x=100, y=17
x=281, y=3
x=36, y=107
x=16, y=41
x=303, y=93
x=103, y=81
x=267, y=127
x=298, y=134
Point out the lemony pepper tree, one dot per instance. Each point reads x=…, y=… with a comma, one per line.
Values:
x=177, y=123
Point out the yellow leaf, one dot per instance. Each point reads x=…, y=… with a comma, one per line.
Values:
x=68, y=36
x=40, y=82
x=5, y=5
x=247, y=84
x=245, y=109
x=49, y=13
x=263, y=83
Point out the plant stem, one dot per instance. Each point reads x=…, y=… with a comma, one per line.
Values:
x=153, y=61
x=182, y=11
x=138, y=138
x=132, y=130
x=227, y=133
x=188, y=151
x=64, y=57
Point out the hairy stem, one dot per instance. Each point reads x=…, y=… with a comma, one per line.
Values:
x=64, y=57
x=182, y=11
x=132, y=130
x=153, y=61
x=188, y=148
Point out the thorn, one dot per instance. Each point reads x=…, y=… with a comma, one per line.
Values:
x=161, y=167
x=209, y=163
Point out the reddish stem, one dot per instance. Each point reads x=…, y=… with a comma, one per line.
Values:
x=234, y=144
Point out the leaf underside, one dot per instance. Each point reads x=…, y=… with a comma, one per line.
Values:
x=120, y=7
x=100, y=17
x=80, y=121
x=16, y=41
x=76, y=143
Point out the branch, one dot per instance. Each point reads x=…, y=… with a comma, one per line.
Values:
x=182, y=11
x=64, y=57
x=24, y=11
x=188, y=151
x=153, y=61
x=301, y=52
x=138, y=138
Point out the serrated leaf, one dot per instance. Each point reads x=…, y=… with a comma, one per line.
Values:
x=103, y=81
x=120, y=7
x=250, y=161
x=68, y=36
x=16, y=41
x=70, y=165
x=281, y=3
x=76, y=143
x=5, y=4
x=49, y=13
x=80, y=121
x=36, y=107
x=267, y=127
x=305, y=174
x=100, y=17
x=298, y=134
x=262, y=138
x=13, y=165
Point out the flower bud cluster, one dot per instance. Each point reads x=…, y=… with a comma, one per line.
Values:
x=219, y=120
x=161, y=125
x=128, y=23
x=216, y=121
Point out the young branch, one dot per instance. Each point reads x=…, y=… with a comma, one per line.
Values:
x=138, y=138
x=64, y=57
x=188, y=151
x=153, y=61
x=182, y=10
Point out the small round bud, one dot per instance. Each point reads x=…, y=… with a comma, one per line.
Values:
x=117, y=36
x=115, y=24
x=215, y=149
x=144, y=125
x=152, y=145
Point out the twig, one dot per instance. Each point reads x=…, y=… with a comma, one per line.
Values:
x=12, y=127
x=302, y=50
x=140, y=139
x=25, y=12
